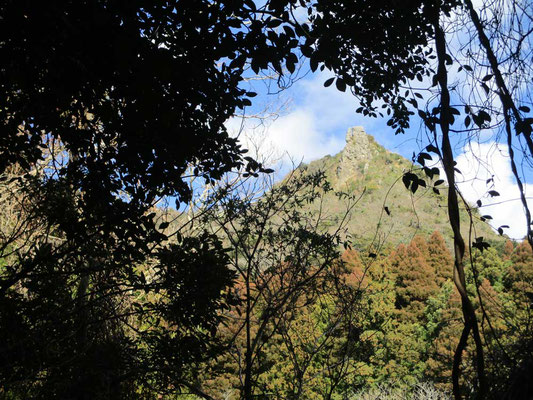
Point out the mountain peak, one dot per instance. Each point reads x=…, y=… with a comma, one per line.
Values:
x=355, y=132
x=356, y=152
x=365, y=168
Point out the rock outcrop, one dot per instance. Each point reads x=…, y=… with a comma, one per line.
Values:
x=386, y=210
x=356, y=155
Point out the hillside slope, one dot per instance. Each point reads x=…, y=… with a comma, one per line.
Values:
x=365, y=167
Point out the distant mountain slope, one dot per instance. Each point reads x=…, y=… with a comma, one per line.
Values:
x=365, y=166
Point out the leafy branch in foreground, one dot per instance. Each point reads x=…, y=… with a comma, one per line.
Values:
x=281, y=253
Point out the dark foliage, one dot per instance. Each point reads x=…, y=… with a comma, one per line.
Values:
x=374, y=48
x=104, y=105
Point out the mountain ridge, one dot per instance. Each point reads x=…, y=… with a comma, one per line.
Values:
x=387, y=212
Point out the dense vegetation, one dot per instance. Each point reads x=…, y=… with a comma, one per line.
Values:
x=298, y=317
x=392, y=321
x=110, y=108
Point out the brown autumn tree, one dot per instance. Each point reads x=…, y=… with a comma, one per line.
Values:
x=520, y=278
x=440, y=258
x=415, y=279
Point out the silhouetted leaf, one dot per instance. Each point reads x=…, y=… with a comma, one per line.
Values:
x=433, y=149
x=484, y=116
x=480, y=244
x=328, y=82
x=341, y=85
x=422, y=157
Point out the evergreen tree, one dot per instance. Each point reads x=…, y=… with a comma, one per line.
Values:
x=415, y=280
x=440, y=258
x=520, y=277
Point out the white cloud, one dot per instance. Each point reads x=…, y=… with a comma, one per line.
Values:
x=489, y=161
x=317, y=123
x=287, y=141
x=314, y=126
x=297, y=135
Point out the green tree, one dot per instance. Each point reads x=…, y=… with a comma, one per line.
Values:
x=415, y=279
x=105, y=105
x=283, y=263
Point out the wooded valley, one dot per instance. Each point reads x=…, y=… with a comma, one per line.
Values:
x=147, y=251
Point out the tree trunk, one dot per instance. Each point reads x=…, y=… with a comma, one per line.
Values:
x=470, y=322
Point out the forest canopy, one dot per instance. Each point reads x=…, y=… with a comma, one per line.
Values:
x=110, y=108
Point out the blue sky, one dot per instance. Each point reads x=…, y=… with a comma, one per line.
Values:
x=308, y=121
x=313, y=120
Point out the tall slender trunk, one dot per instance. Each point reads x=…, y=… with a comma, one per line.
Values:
x=509, y=108
x=469, y=315
x=248, y=355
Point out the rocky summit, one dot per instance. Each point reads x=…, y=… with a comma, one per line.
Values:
x=357, y=151
x=387, y=213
